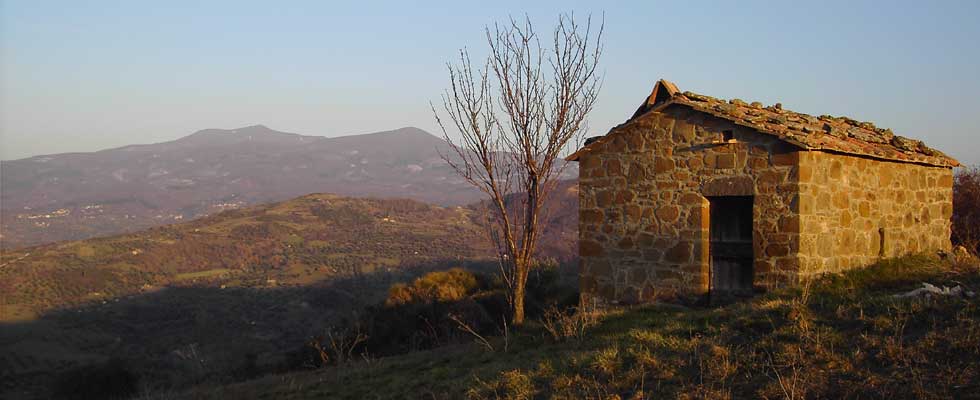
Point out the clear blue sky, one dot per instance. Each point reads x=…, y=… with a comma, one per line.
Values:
x=82, y=76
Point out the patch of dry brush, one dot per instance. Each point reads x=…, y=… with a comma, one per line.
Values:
x=839, y=337
x=966, y=208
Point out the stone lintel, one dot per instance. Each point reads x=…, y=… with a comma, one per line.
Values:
x=729, y=186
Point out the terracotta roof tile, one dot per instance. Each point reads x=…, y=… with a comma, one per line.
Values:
x=840, y=134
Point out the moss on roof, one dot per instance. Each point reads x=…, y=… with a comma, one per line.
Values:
x=840, y=134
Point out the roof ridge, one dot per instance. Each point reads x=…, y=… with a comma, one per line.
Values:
x=825, y=132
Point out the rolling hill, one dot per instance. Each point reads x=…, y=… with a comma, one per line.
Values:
x=247, y=281
x=841, y=337
x=253, y=280
x=81, y=195
x=296, y=242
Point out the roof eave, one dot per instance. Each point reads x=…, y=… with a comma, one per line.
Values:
x=575, y=156
x=668, y=94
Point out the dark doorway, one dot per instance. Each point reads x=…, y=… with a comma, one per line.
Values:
x=731, y=246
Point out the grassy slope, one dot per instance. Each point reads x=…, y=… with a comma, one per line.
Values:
x=302, y=241
x=256, y=281
x=845, y=337
x=296, y=242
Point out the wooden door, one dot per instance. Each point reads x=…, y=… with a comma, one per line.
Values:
x=731, y=245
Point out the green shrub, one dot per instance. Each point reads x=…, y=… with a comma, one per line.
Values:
x=400, y=294
x=440, y=286
x=430, y=310
x=416, y=316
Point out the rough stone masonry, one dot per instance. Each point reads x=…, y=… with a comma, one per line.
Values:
x=827, y=194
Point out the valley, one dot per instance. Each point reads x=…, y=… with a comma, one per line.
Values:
x=252, y=281
x=77, y=196
x=493, y=200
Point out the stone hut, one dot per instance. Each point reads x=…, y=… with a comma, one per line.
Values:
x=696, y=196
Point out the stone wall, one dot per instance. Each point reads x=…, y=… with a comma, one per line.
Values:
x=850, y=206
x=644, y=205
x=644, y=210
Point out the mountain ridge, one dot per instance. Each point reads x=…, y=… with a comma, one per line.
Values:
x=241, y=130
x=300, y=240
x=71, y=196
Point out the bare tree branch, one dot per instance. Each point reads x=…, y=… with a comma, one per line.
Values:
x=513, y=118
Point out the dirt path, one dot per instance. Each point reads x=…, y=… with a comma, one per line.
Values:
x=18, y=259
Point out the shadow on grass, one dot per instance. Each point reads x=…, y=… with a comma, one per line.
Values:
x=179, y=336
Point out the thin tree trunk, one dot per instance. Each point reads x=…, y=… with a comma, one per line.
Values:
x=543, y=96
x=520, y=287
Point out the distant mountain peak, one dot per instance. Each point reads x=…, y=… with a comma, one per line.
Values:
x=223, y=136
x=145, y=185
x=258, y=128
x=410, y=130
x=415, y=131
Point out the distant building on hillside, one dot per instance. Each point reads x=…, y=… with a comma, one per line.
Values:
x=694, y=195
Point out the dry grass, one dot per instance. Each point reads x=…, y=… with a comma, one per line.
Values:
x=569, y=324
x=842, y=336
x=445, y=286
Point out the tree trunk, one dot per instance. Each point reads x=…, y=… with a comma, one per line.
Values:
x=520, y=286
x=546, y=95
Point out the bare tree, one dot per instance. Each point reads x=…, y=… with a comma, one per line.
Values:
x=966, y=208
x=514, y=117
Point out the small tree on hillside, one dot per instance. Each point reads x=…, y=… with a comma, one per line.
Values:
x=514, y=118
x=966, y=208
